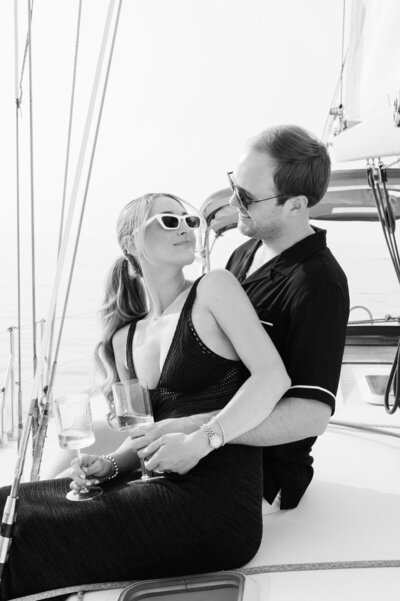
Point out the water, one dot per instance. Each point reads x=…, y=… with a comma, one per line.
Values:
x=75, y=439
x=128, y=421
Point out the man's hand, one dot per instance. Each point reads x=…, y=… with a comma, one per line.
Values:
x=177, y=453
x=144, y=434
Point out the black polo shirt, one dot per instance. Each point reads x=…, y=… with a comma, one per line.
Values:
x=301, y=297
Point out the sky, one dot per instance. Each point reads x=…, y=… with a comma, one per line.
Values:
x=190, y=82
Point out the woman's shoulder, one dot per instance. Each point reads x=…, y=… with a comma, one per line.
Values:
x=219, y=282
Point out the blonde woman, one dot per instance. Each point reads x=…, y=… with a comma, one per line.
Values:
x=200, y=348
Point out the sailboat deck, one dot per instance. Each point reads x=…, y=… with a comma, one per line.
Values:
x=344, y=536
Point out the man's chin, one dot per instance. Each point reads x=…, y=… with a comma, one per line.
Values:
x=246, y=226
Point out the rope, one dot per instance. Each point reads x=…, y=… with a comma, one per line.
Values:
x=251, y=571
x=393, y=379
x=376, y=177
x=378, y=429
x=323, y=565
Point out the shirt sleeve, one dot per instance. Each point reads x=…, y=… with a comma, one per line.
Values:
x=316, y=341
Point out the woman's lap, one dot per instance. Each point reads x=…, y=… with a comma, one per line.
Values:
x=179, y=525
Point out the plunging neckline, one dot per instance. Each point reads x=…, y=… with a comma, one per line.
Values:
x=132, y=330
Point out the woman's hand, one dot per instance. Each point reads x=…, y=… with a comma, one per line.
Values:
x=177, y=453
x=92, y=470
x=144, y=434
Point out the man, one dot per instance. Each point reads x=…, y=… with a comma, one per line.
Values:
x=299, y=292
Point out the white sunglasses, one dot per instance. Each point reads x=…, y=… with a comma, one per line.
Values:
x=170, y=221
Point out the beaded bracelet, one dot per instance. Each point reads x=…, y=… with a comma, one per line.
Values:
x=116, y=470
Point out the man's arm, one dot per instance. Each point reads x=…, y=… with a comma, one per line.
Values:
x=292, y=419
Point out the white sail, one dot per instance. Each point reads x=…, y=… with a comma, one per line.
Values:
x=371, y=82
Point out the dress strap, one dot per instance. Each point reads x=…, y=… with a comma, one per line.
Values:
x=187, y=307
x=129, y=355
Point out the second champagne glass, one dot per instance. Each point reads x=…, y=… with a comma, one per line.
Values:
x=75, y=431
x=133, y=407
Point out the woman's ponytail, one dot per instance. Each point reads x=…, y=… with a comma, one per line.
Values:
x=125, y=301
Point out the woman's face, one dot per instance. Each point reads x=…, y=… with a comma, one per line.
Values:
x=163, y=246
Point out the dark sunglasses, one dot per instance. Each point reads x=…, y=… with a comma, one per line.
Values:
x=170, y=221
x=242, y=197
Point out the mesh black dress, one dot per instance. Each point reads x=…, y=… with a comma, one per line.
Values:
x=206, y=520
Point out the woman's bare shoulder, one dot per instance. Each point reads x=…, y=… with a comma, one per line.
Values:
x=219, y=279
x=220, y=284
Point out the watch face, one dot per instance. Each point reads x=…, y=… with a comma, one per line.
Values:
x=215, y=441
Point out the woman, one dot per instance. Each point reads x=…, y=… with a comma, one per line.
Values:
x=199, y=347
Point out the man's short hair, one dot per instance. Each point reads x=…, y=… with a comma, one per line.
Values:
x=303, y=162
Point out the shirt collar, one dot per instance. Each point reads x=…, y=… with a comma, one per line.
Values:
x=290, y=258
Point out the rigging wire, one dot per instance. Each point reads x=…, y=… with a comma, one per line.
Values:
x=24, y=59
x=343, y=57
x=40, y=438
x=64, y=192
x=32, y=190
x=18, y=103
x=9, y=513
x=83, y=207
x=337, y=111
x=18, y=209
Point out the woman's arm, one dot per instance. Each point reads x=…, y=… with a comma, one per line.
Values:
x=95, y=468
x=221, y=296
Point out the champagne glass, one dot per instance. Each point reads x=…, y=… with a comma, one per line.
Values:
x=133, y=407
x=75, y=431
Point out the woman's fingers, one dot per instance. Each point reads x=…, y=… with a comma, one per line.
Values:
x=87, y=472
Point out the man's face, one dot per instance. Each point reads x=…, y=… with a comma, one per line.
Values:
x=254, y=175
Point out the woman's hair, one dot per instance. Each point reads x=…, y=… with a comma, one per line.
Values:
x=125, y=296
x=303, y=163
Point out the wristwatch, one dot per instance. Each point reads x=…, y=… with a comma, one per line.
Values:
x=214, y=439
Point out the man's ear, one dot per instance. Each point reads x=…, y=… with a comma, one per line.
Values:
x=297, y=205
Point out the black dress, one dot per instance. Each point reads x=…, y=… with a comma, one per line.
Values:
x=206, y=520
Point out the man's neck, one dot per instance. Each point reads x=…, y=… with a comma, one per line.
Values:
x=271, y=249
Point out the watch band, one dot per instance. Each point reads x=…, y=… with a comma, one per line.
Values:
x=216, y=421
x=215, y=440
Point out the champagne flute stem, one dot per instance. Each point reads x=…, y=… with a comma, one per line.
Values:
x=143, y=468
x=78, y=454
